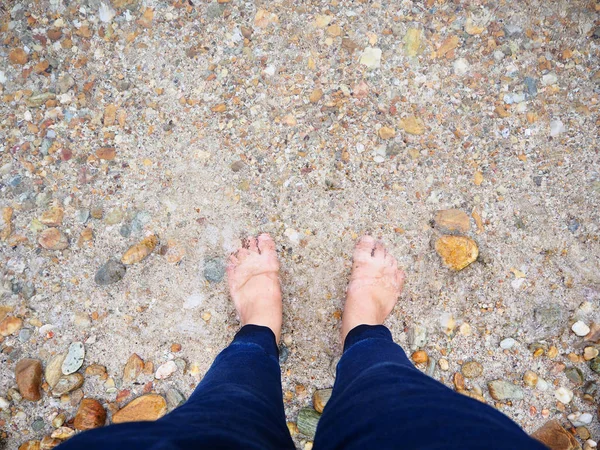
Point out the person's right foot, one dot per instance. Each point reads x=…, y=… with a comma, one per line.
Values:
x=374, y=287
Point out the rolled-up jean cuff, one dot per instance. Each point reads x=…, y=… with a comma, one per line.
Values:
x=362, y=332
x=259, y=335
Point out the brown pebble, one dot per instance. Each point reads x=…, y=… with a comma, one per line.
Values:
x=420, y=357
x=18, y=57
x=175, y=348
x=28, y=373
x=91, y=414
x=54, y=34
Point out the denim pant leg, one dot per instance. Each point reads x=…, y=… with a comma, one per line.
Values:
x=381, y=401
x=238, y=405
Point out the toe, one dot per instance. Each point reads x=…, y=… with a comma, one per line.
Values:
x=365, y=243
x=266, y=243
x=400, y=278
x=252, y=244
x=380, y=251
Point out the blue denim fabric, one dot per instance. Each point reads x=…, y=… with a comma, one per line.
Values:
x=379, y=401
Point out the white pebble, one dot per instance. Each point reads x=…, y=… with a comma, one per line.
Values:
x=579, y=419
x=557, y=127
x=507, y=343
x=461, y=66
x=4, y=404
x=106, y=13
x=165, y=370
x=542, y=385
x=591, y=443
x=371, y=57
x=549, y=79
x=580, y=328
x=564, y=395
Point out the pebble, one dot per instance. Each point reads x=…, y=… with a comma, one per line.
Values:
x=67, y=383
x=133, y=368
x=214, y=270
x=530, y=378
x=283, y=353
x=82, y=215
x=471, y=369
x=575, y=375
x=113, y=217
x=28, y=374
x=90, y=414
x=174, y=398
x=580, y=328
x=165, y=370
x=457, y=252
x=148, y=407
x=74, y=359
x=53, y=370
x=38, y=424
x=549, y=79
x=563, y=395
x=140, y=251
x=10, y=325
x=507, y=344
x=461, y=67
x=4, y=404
x=111, y=272
x=444, y=365
x=579, y=419
x=320, y=399
x=590, y=353
x=503, y=390
x=417, y=337
x=556, y=128
x=53, y=239
x=531, y=85
x=452, y=220
x=552, y=433
x=371, y=57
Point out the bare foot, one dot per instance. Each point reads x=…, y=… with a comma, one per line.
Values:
x=254, y=284
x=374, y=287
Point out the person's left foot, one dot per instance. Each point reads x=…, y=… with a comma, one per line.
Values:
x=253, y=275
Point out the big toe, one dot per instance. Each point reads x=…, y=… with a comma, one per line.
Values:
x=266, y=243
x=364, y=244
x=252, y=244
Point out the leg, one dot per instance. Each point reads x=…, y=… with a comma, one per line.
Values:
x=239, y=402
x=380, y=400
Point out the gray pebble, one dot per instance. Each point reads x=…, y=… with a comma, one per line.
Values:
x=284, y=352
x=111, y=272
x=28, y=290
x=74, y=359
x=174, y=398
x=215, y=10
x=25, y=334
x=125, y=230
x=214, y=270
x=573, y=225
x=82, y=215
x=14, y=181
x=575, y=375
x=531, y=85
x=38, y=424
x=138, y=222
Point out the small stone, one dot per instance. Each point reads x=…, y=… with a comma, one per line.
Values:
x=315, y=95
x=320, y=399
x=53, y=370
x=420, y=357
x=4, y=404
x=148, y=407
x=371, y=57
x=214, y=270
x=63, y=433
x=18, y=57
x=67, y=383
x=307, y=422
x=38, y=424
x=30, y=445
x=284, y=352
x=583, y=433
x=237, y=165
x=563, y=395
x=447, y=323
x=413, y=42
x=444, y=365
x=38, y=100
x=555, y=437
x=575, y=375
x=590, y=353
x=140, y=251
x=174, y=398
x=503, y=390
x=113, y=217
x=579, y=419
x=133, y=368
x=106, y=153
x=90, y=414
x=53, y=239
x=580, y=328
x=472, y=369
x=111, y=272
x=457, y=252
x=28, y=373
x=412, y=125
x=166, y=370
x=530, y=378
x=556, y=128
x=74, y=359
x=10, y=325
x=334, y=30
x=461, y=67
x=549, y=79
x=48, y=443
x=59, y=420
x=507, y=344
x=95, y=370
x=531, y=85
x=53, y=217
x=452, y=220
x=417, y=337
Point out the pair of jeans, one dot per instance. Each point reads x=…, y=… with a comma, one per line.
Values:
x=379, y=401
